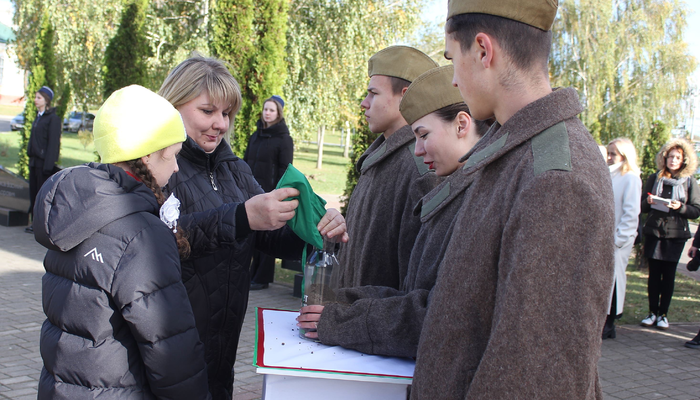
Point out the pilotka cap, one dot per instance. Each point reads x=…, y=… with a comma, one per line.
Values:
x=537, y=13
x=400, y=62
x=430, y=92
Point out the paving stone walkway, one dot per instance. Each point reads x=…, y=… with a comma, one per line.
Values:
x=640, y=364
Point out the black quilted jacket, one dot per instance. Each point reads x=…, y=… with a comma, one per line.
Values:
x=218, y=283
x=118, y=322
x=269, y=152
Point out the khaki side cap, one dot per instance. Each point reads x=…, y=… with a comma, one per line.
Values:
x=429, y=92
x=400, y=62
x=537, y=13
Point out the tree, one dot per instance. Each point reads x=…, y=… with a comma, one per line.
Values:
x=82, y=31
x=360, y=142
x=42, y=73
x=659, y=134
x=250, y=36
x=628, y=61
x=328, y=45
x=127, y=51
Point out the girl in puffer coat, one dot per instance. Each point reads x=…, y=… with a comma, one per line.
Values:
x=119, y=324
x=671, y=197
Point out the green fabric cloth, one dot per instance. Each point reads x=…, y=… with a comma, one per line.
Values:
x=311, y=207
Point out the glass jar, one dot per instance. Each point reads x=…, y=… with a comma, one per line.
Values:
x=316, y=286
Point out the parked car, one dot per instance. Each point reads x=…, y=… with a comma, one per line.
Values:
x=17, y=122
x=75, y=122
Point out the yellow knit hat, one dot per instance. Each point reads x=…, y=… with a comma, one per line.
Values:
x=135, y=122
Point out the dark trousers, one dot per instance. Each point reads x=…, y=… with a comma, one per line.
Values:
x=37, y=177
x=262, y=269
x=662, y=277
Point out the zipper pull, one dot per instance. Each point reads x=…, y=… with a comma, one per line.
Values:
x=211, y=178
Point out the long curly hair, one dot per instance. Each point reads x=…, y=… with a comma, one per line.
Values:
x=690, y=160
x=141, y=170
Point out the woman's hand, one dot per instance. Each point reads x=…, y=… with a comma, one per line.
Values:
x=269, y=211
x=308, y=319
x=650, y=200
x=692, y=252
x=333, y=225
x=675, y=204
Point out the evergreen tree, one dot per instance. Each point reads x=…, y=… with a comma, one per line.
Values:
x=44, y=52
x=127, y=52
x=658, y=136
x=360, y=142
x=251, y=37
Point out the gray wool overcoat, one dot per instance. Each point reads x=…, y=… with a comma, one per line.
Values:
x=383, y=320
x=523, y=289
x=380, y=220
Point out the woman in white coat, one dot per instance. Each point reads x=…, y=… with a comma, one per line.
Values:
x=627, y=190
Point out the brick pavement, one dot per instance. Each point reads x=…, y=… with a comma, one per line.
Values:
x=640, y=364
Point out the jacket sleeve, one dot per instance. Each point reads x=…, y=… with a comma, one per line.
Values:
x=386, y=323
x=626, y=229
x=210, y=230
x=280, y=243
x=691, y=208
x=148, y=290
x=648, y=187
x=284, y=157
x=53, y=146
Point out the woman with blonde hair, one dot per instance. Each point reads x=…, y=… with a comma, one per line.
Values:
x=671, y=197
x=210, y=175
x=627, y=189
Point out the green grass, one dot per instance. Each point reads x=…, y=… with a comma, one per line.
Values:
x=330, y=179
x=72, y=150
x=685, y=305
x=10, y=110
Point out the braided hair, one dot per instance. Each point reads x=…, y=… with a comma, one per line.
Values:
x=141, y=170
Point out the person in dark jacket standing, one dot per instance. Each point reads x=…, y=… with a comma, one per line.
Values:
x=210, y=175
x=666, y=229
x=523, y=287
x=270, y=150
x=119, y=324
x=44, y=144
x=381, y=223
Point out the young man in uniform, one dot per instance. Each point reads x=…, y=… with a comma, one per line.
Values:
x=523, y=288
x=380, y=218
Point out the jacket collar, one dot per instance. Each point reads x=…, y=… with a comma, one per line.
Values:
x=194, y=154
x=528, y=122
x=383, y=148
x=279, y=128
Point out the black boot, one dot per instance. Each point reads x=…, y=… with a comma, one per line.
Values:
x=609, y=328
x=695, y=343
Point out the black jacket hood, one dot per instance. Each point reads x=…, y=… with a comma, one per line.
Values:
x=77, y=202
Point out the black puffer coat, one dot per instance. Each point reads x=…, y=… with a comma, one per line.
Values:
x=119, y=325
x=218, y=283
x=269, y=152
x=45, y=141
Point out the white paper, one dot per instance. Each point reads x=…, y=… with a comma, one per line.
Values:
x=284, y=348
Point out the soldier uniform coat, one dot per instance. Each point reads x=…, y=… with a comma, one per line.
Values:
x=380, y=220
x=385, y=321
x=523, y=288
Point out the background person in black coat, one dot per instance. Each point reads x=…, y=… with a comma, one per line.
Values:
x=44, y=144
x=270, y=150
x=666, y=229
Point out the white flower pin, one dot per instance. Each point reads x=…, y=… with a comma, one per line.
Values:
x=170, y=212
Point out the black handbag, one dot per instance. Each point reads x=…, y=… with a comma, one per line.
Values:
x=694, y=263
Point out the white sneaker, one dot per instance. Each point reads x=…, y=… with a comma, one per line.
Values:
x=650, y=320
x=662, y=322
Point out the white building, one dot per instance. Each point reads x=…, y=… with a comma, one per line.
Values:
x=11, y=76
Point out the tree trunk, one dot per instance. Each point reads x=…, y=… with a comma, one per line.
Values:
x=321, y=136
x=346, y=149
